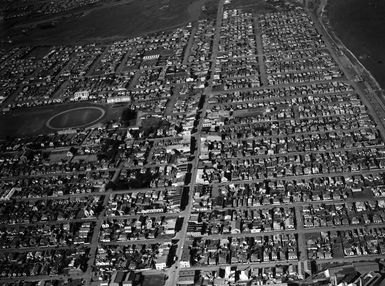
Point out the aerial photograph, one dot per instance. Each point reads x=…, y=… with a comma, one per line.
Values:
x=192, y=142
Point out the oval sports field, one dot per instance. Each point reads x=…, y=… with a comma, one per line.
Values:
x=76, y=118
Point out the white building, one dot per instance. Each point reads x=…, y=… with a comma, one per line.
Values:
x=116, y=99
x=81, y=95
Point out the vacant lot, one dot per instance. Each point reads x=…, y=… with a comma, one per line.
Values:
x=255, y=6
x=115, y=22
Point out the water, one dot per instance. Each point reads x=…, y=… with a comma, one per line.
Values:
x=360, y=24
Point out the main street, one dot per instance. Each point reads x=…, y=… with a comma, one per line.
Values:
x=175, y=268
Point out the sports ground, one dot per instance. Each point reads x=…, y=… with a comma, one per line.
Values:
x=76, y=117
x=48, y=119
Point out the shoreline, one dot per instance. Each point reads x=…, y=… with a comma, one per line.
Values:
x=363, y=58
x=363, y=82
x=325, y=21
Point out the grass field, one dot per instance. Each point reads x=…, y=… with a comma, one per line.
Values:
x=33, y=121
x=77, y=117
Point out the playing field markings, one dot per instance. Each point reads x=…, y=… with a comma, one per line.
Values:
x=81, y=119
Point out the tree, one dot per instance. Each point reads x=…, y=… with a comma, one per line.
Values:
x=127, y=116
